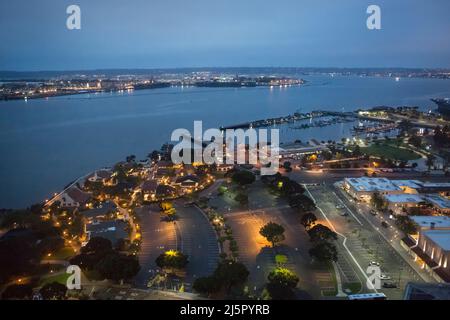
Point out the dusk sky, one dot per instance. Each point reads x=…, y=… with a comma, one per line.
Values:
x=202, y=33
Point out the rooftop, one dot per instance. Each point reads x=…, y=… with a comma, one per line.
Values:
x=111, y=230
x=427, y=291
x=435, y=184
x=372, y=184
x=404, y=198
x=440, y=237
x=438, y=201
x=426, y=221
x=407, y=183
x=101, y=210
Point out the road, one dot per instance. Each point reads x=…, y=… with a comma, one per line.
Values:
x=305, y=176
x=363, y=243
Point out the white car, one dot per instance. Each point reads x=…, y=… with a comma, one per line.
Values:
x=385, y=277
x=374, y=263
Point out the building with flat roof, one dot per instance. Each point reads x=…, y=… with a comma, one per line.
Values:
x=399, y=203
x=442, y=188
x=431, y=247
x=440, y=203
x=435, y=222
x=408, y=186
x=427, y=291
x=363, y=188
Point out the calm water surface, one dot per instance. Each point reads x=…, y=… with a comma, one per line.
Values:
x=47, y=143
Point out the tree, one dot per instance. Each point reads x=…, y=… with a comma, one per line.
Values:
x=92, y=253
x=356, y=151
x=323, y=252
x=289, y=187
x=377, y=201
x=168, y=210
x=308, y=219
x=281, y=283
x=321, y=233
x=53, y=291
x=131, y=158
x=172, y=259
x=243, y=177
x=416, y=141
x=242, y=198
x=116, y=266
x=97, y=246
x=18, y=255
x=18, y=292
x=230, y=273
x=274, y=233
x=405, y=224
x=287, y=166
x=154, y=156
x=206, y=285
x=302, y=202
x=404, y=126
x=284, y=277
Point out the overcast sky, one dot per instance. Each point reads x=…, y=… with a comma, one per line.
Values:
x=200, y=33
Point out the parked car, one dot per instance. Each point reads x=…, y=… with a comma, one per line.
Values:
x=389, y=285
x=385, y=277
x=374, y=263
x=384, y=224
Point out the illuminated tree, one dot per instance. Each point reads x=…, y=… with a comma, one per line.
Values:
x=274, y=233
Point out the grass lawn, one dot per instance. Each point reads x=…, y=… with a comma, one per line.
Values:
x=328, y=287
x=354, y=287
x=390, y=152
x=60, y=278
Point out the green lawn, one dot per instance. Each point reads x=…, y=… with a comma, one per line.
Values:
x=60, y=278
x=390, y=152
x=354, y=287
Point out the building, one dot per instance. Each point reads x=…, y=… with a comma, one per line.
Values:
x=440, y=204
x=101, y=212
x=363, y=188
x=148, y=189
x=72, y=197
x=100, y=176
x=443, y=188
x=431, y=246
x=427, y=291
x=111, y=230
x=189, y=181
x=165, y=191
x=400, y=203
x=298, y=150
x=408, y=186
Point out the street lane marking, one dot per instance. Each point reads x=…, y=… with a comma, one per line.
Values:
x=348, y=209
x=343, y=243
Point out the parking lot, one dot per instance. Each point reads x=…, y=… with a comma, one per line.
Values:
x=364, y=243
x=259, y=257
